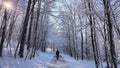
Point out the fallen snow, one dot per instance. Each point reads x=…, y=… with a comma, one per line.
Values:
x=42, y=60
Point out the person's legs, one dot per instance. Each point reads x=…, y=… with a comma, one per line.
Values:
x=57, y=57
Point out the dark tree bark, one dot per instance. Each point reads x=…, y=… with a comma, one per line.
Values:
x=110, y=33
x=3, y=28
x=35, y=41
x=81, y=25
x=93, y=41
x=30, y=27
x=23, y=35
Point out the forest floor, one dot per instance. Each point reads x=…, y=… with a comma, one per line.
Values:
x=45, y=60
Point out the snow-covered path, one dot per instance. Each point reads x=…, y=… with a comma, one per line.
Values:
x=43, y=60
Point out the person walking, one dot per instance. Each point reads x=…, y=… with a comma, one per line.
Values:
x=57, y=54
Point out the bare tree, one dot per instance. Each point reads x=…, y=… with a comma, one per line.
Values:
x=3, y=28
x=24, y=30
x=110, y=33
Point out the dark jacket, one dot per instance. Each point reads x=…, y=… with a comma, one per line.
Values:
x=57, y=54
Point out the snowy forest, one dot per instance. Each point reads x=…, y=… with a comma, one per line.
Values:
x=87, y=31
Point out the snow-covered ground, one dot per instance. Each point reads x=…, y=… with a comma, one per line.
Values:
x=43, y=60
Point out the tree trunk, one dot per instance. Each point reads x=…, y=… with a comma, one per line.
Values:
x=3, y=28
x=110, y=33
x=95, y=52
x=23, y=36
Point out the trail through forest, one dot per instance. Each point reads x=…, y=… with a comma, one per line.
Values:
x=45, y=60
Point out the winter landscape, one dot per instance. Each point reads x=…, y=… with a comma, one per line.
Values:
x=59, y=33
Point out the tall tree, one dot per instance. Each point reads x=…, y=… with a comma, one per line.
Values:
x=110, y=32
x=3, y=28
x=92, y=30
x=24, y=30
